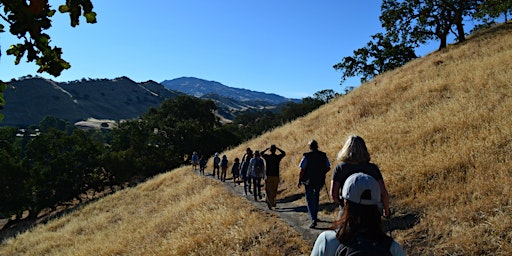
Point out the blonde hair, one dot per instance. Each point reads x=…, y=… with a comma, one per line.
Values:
x=354, y=150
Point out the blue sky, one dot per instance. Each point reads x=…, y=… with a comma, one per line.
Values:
x=287, y=47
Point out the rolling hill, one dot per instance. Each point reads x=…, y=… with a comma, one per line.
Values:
x=30, y=99
x=439, y=128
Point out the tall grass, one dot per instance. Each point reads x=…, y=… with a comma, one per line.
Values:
x=177, y=213
x=440, y=128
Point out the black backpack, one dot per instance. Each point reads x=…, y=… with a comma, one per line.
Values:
x=362, y=246
x=258, y=168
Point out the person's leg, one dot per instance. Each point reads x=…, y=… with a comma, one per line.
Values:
x=244, y=178
x=312, y=198
x=255, y=190
x=259, y=188
x=271, y=184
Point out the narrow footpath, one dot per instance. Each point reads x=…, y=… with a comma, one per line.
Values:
x=293, y=210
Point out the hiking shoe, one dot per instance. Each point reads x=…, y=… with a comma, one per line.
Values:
x=313, y=224
x=268, y=204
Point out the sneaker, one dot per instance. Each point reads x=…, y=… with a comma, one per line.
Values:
x=313, y=224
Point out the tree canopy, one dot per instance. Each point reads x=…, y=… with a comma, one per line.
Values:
x=411, y=23
x=28, y=20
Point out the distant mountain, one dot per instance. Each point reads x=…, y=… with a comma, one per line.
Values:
x=199, y=88
x=28, y=101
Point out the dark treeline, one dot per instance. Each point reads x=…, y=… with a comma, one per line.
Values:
x=46, y=166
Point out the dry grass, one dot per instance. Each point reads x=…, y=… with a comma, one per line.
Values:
x=440, y=128
x=177, y=213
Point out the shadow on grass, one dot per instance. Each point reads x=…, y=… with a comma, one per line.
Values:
x=401, y=222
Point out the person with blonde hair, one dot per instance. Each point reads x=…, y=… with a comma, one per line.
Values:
x=354, y=157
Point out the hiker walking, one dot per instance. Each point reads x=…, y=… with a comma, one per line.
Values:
x=257, y=168
x=216, y=162
x=359, y=229
x=202, y=164
x=235, y=170
x=243, y=170
x=313, y=167
x=272, y=161
x=195, y=160
x=354, y=158
x=224, y=167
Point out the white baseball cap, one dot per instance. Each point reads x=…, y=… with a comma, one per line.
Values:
x=362, y=188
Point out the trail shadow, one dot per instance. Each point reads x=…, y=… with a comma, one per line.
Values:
x=328, y=207
x=291, y=198
x=292, y=209
x=402, y=222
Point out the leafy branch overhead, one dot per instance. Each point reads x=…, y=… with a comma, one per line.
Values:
x=28, y=20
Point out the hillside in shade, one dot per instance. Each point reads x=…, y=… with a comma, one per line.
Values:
x=28, y=101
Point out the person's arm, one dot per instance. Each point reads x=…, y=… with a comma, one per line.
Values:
x=265, y=150
x=281, y=151
x=384, y=197
x=302, y=166
x=335, y=191
x=301, y=174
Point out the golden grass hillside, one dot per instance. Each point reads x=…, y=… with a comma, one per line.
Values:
x=440, y=128
x=177, y=213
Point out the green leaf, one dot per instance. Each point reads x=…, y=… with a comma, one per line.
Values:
x=1, y=28
x=64, y=8
x=90, y=17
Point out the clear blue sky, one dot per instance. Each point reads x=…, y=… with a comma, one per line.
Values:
x=287, y=47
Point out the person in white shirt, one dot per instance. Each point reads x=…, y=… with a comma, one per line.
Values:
x=361, y=220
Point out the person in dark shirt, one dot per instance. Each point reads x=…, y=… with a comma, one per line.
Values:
x=313, y=167
x=272, y=161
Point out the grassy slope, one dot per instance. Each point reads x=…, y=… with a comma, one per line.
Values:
x=440, y=129
x=177, y=213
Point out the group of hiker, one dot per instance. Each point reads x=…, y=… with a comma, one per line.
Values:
x=251, y=170
x=357, y=186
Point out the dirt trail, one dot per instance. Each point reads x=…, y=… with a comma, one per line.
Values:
x=291, y=209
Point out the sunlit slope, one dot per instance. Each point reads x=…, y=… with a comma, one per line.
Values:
x=440, y=128
x=177, y=213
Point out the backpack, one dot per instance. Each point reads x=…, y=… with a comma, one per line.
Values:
x=224, y=163
x=258, y=168
x=362, y=246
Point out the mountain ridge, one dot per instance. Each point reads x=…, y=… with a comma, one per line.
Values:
x=30, y=99
x=200, y=87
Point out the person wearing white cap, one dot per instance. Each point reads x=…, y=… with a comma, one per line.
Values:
x=359, y=227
